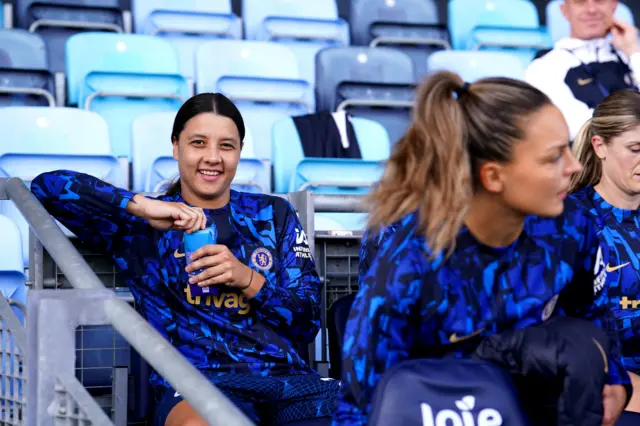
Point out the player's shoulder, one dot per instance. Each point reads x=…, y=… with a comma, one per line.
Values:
x=261, y=205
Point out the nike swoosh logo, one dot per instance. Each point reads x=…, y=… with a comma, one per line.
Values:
x=454, y=338
x=584, y=81
x=615, y=268
x=177, y=255
x=177, y=394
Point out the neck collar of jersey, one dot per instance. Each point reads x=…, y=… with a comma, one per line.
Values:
x=576, y=43
x=606, y=210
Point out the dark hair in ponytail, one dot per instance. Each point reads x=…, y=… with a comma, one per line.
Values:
x=216, y=103
x=456, y=128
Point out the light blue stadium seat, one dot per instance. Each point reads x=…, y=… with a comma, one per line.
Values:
x=154, y=167
x=412, y=26
x=12, y=277
x=187, y=24
x=474, y=65
x=559, y=26
x=293, y=172
x=511, y=25
x=374, y=83
x=121, y=76
x=261, y=78
x=24, y=70
x=36, y=140
x=304, y=26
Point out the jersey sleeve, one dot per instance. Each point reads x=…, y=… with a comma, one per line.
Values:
x=93, y=210
x=382, y=327
x=587, y=296
x=289, y=300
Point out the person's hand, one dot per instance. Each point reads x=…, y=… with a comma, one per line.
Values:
x=613, y=401
x=220, y=267
x=165, y=215
x=625, y=37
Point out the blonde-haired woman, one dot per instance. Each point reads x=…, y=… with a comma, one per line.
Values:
x=608, y=146
x=469, y=234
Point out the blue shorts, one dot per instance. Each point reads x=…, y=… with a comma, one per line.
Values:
x=275, y=400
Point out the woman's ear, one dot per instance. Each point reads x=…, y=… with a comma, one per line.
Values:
x=599, y=146
x=174, y=141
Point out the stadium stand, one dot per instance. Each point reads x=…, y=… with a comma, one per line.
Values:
x=411, y=26
x=44, y=139
x=511, y=25
x=24, y=70
x=474, y=65
x=374, y=83
x=154, y=167
x=304, y=27
x=12, y=277
x=57, y=20
x=121, y=76
x=263, y=79
x=187, y=24
x=559, y=27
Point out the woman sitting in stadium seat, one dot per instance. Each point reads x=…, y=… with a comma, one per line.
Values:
x=469, y=235
x=608, y=146
x=263, y=291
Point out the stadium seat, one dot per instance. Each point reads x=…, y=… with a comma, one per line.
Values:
x=12, y=277
x=154, y=167
x=24, y=72
x=409, y=25
x=511, y=25
x=261, y=78
x=336, y=324
x=431, y=392
x=474, y=65
x=293, y=172
x=121, y=76
x=374, y=83
x=304, y=26
x=187, y=24
x=559, y=26
x=57, y=20
x=36, y=140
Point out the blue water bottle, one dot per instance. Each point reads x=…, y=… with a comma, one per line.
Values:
x=192, y=242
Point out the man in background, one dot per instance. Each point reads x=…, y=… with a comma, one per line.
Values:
x=601, y=56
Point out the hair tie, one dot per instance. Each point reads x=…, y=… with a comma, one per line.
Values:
x=462, y=90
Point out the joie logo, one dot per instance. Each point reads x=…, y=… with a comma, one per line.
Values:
x=486, y=417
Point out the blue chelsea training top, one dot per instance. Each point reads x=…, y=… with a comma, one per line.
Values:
x=410, y=305
x=619, y=230
x=223, y=332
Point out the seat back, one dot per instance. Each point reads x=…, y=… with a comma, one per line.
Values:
x=432, y=392
x=474, y=65
x=288, y=154
x=304, y=27
x=51, y=18
x=187, y=24
x=122, y=76
x=374, y=83
x=559, y=26
x=45, y=139
x=261, y=78
x=365, y=15
x=336, y=325
x=465, y=15
x=24, y=70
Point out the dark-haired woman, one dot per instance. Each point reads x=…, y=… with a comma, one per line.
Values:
x=469, y=234
x=263, y=290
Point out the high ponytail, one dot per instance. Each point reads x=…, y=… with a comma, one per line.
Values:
x=433, y=169
x=429, y=168
x=615, y=115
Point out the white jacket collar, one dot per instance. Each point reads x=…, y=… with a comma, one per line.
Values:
x=576, y=43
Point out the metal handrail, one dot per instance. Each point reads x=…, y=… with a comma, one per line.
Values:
x=202, y=395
